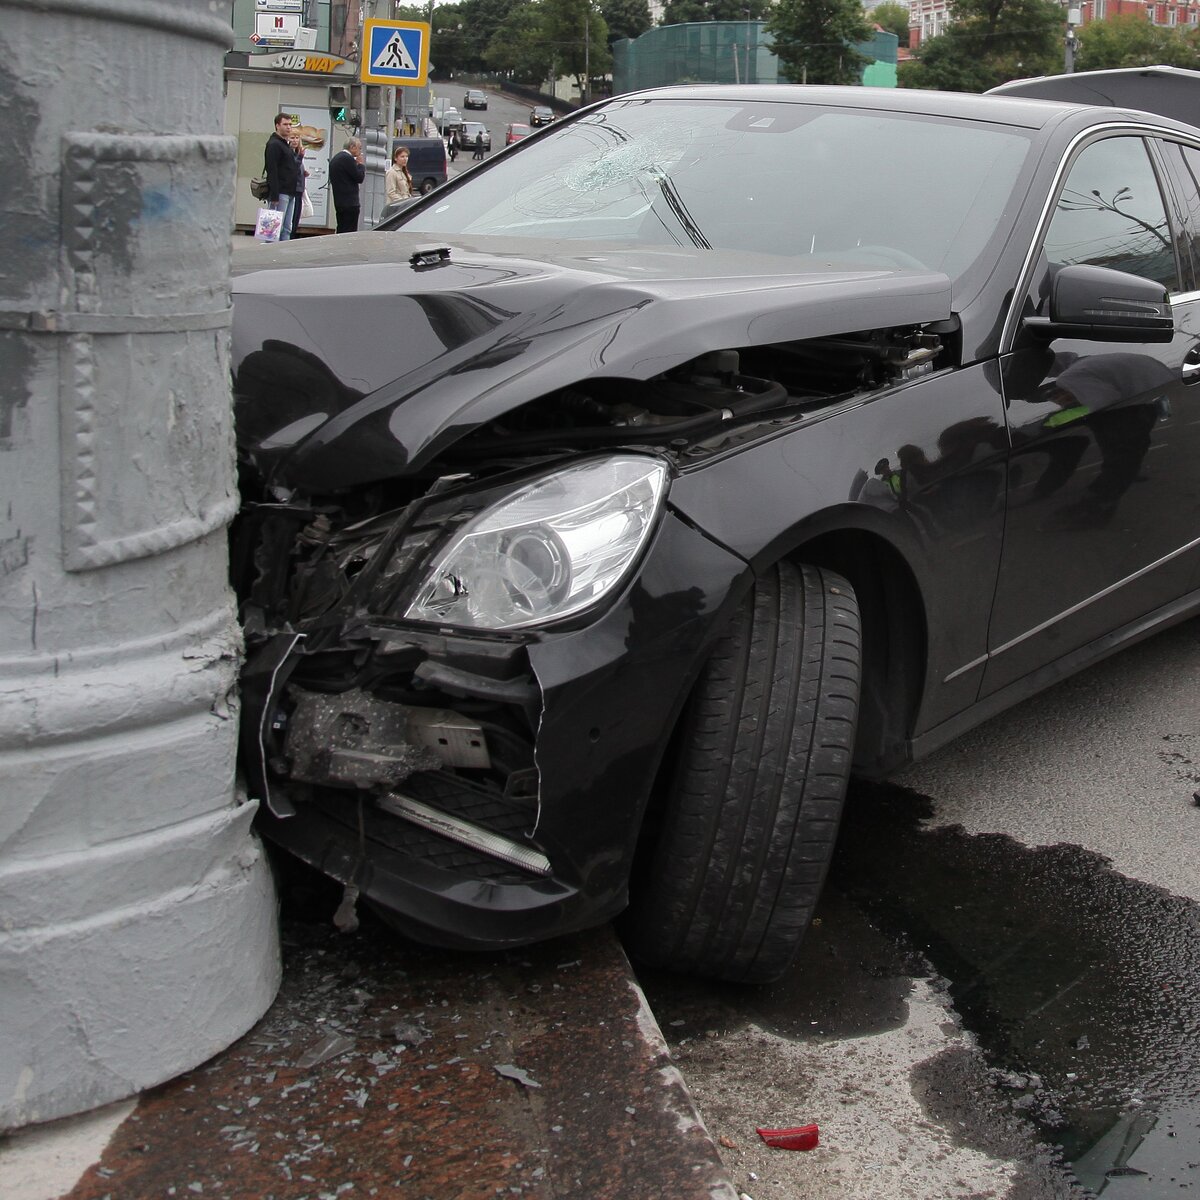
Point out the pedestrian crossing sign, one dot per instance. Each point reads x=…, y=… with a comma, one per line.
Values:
x=395, y=53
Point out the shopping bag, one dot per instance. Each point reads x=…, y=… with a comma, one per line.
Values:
x=269, y=225
x=306, y=208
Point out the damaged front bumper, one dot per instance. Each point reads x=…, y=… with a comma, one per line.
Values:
x=483, y=790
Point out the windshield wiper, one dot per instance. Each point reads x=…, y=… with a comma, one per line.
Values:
x=677, y=206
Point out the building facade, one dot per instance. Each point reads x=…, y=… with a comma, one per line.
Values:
x=929, y=18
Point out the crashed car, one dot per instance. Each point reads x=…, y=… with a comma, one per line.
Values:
x=599, y=522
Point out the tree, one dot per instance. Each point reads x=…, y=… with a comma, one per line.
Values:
x=520, y=46
x=578, y=35
x=894, y=18
x=678, y=12
x=449, y=46
x=481, y=20
x=815, y=39
x=625, y=18
x=987, y=43
x=946, y=65
x=1132, y=41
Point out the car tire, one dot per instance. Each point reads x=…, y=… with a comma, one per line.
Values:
x=755, y=794
x=427, y=186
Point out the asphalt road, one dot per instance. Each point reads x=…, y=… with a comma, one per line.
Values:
x=998, y=997
x=501, y=111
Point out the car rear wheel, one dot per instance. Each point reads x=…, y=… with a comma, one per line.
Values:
x=754, y=797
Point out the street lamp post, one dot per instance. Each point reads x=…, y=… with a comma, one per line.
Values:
x=369, y=12
x=428, y=91
x=747, y=12
x=1074, y=18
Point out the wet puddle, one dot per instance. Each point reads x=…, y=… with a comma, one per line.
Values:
x=1080, y=985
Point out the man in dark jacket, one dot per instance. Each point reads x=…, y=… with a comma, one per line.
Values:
x=346, y=173
x=282, y=169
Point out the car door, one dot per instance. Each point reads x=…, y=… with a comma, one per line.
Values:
x=1103, y=491
x=1183, y=161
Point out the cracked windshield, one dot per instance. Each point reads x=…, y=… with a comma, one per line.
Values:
x=766, y=178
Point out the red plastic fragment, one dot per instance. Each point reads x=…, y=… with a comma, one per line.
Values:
x=799, y=1137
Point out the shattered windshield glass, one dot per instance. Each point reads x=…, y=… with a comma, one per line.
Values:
x=768, y=177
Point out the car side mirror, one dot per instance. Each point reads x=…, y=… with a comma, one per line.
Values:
x=1106, y=306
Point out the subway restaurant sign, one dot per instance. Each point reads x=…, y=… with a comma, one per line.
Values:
x=300, y=60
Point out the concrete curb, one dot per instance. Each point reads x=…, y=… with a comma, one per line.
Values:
x=393, y=1070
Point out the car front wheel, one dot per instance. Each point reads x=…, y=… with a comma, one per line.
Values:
x=754, y=796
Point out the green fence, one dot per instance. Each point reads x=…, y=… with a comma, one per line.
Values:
x=723, y=52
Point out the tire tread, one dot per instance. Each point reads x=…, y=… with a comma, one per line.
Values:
x=753, y=807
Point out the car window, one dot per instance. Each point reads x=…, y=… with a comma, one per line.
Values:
x=1186, y=160
x=1111, y=213
x=765, y=176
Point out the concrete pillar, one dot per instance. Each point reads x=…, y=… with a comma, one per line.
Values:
x=137, y=916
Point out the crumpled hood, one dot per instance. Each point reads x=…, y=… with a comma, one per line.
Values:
x=352, y=364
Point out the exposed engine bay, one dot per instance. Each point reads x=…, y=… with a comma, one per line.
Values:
x=722, y=390
x=439, y=725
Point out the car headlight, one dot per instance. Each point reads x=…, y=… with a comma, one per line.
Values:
x=552, y=548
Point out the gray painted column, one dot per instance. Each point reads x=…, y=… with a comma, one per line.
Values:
x=137, y=914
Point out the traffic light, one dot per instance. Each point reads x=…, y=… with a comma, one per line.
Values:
x=339, y=101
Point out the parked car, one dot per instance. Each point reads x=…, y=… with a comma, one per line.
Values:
x=474, y=98
x=448, y=121
x=637, y=513
x=541, y=115
x=470, y=129
x=515, y=132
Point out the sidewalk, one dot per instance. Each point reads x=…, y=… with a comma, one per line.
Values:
x=385, y=1069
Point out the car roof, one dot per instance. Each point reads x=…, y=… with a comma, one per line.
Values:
x=999, y=109
x=1172, y=92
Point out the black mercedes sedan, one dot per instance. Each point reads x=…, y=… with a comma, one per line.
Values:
x=611, y=508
